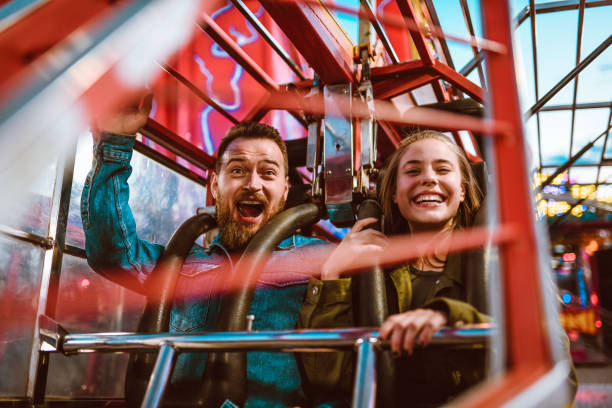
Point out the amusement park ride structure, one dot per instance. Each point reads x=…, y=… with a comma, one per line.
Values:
x=346, y=99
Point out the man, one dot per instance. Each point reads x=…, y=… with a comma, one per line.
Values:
x=250, y=185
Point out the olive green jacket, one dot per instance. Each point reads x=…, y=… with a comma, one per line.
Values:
x=328, y=304
x=440, y=372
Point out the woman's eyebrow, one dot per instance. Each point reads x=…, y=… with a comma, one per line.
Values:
x=445, y=161
x=414, y=161
x=418, y=162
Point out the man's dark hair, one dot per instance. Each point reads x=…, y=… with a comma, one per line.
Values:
x=252, y=130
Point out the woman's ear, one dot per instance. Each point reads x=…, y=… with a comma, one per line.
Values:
x=394, y=198
x=462, y=196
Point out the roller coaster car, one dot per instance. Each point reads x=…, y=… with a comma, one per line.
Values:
x=354, y=110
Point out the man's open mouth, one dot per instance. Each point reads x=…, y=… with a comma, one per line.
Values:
x=250, y=210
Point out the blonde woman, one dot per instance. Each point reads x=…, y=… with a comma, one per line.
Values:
x=428, y=186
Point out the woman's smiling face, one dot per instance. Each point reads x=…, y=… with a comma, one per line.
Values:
x=429, y=185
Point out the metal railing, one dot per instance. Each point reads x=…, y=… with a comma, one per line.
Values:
x=364, y=340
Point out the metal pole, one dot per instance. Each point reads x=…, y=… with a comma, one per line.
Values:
x=534, y=51
x=159, y=377
x=382, y=34
x=364, y=390
x=571, y=161
x=468, y=22
x=436, y=22
x=287, y=340
x=52, y=265
x=554, y=6
x=268, y=37
x=199, y=93
x=473, y=63
x=593, y=105
x=578, y=47
x=603, y=150
x=571, y=75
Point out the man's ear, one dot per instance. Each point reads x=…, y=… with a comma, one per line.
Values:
x=214, y=184
x=286, y=188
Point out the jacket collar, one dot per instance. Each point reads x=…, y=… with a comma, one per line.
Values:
x=452, y=270
x=287, y=243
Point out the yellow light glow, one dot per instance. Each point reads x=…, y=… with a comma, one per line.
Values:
x=557, y=207
x=592, y=247
x=577, y=211
x=583, y=192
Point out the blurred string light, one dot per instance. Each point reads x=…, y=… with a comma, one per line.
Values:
x=569, y=257
x=561, y=186
x=592, y=247
x=582, y=292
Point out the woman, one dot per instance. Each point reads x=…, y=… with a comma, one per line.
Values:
x=428, y=186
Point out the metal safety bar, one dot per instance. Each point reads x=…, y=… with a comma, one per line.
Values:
x=364, y=340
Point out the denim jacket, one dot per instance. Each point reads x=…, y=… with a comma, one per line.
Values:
x=115, y=251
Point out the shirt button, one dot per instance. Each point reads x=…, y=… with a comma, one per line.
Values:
x=315, y=291
x=438, y=282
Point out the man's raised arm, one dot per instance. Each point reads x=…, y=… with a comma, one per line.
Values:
x=111, y=242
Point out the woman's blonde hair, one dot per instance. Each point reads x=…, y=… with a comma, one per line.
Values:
x=394, y=222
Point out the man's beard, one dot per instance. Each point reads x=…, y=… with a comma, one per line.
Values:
x=235, y=235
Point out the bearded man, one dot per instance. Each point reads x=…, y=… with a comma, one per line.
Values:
x=250, y=185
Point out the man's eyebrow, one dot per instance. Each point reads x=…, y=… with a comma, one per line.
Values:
x=273, y=162
x=243, y=160
x=236, y=159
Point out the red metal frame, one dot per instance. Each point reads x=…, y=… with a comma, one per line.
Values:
x=322, y=43
x=420, y=43
x=528, y=346
x=177, y=145
x=317, y=37
x=54, y=21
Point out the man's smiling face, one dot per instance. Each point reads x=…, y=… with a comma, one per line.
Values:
x=250, y=187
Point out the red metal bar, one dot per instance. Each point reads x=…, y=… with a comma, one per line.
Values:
x=418, y=38
x=394, y=21
x=392, y=88
x=498, y=392
x=398, y=71
x=387, y=145
x=392, y=80
x=387, y=111
x=317, y=37
x=421, y=45
x=233, y=49
x=198, y=92
x=259, y=111
x=459, y=80
x=177, y=145
x=526, y=340
x=54, y=21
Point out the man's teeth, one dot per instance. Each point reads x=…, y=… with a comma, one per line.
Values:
x=428, y=198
